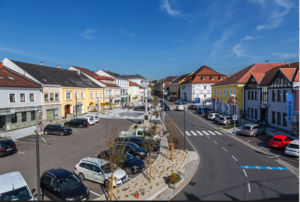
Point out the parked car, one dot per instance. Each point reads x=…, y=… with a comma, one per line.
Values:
x=217, y=117
x=133, y=149
x=96, y=118
x=13, y=187
x=140, y=141
x=179, y=107
x=192, y=107
x=280, y=141
x=60, y=184
x=140, y=108
x=81, y=122
x=166, y=108
x=57, y=129
x=226, y=120
x=208, y=112
x=203, y=110
x=180, y=102
x=292, y=148
x=212, y=115
x=90, y=120
x=253, y=129
x=98, y=170
x=7, y=146
x=130, y=165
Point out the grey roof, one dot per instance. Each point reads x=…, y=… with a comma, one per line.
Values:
x=57, y=76
x=170, y=78
x=115, y=75
x=179, y=78
x=137, y=76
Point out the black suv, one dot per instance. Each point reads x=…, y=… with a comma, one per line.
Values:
x=133, y=149
x=140, y=141
x=77, y=123
x=60, y=184
x=57, y=129
x=131, y=164
x=7, y=146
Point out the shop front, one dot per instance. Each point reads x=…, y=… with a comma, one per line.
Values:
x=123, y=100
x=52, y=114
x=79, y=108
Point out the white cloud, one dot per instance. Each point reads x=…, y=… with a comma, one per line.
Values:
x=123, y=31
x=171, y=59
x=249, y=38
x=88, y=34
x=287, y=55
x=165, y=5
x=241, y=52
x=217, y=45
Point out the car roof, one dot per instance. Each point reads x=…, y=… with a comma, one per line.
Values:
x=58, y=173
x=53, y=125
x=295, y=142
x=4, y=139
x=226, y=116
x=251, y=124
x=96, y=161
x=10, y=181
x=126, y=143
x=280, y=136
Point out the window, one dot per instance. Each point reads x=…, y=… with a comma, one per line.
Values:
x=32, y=115
x=217, y=93
x=255, y=115
x=234, y=91
x=284, y=95
x=51, y=96
x=248, y=112
x=12, y=97
x=24, y=117
x=203, y=79
x=279, y=95
x=212, y=78
x=230, y=91
x=79, y=82
x=68, y=96
x=213, y=92
x=284, y=123
x=221, y=78
x=226, y=92
x=220, y=92
x=56, y=96
x=10, y=78
x=22, y=97
x=204, y=87
x=278, y=118
x=248, y=95
x=273, y=117
x=204, y=95
x=92, y=95
x=251, y=95
x=46, y=97
x=31, y=97
x=82, y=95
x=100, y=94
x=13, y=118
x=252, y=113
x=273, y=95
x=76, y=95
x=223, y=92
x=97, y=95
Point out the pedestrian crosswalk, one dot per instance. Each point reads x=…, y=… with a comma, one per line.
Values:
x=202, y=133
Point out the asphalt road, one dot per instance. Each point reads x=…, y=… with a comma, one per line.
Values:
x=61, y=151
x=220, y=176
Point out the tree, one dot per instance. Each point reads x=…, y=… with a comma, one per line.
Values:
x=154, y=81
x=154, y=105
x=116, y=155
x=170, y=124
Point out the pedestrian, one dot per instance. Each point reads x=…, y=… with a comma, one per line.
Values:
x=264, y=123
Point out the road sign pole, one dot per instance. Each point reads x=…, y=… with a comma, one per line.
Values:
x=184, y=125
x=234, y=109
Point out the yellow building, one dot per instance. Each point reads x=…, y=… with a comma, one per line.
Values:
x=174, y=86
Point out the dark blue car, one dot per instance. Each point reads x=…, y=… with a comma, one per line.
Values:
x=202, y=110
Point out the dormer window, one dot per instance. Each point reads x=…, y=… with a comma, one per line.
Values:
x=203, y=79
x=212, y=78
x=221, y=78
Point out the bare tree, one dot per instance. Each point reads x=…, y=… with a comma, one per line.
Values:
x=172, y=138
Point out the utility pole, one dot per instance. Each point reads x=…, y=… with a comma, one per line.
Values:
x=184, y=125
x=37, y=155
x=76, y=103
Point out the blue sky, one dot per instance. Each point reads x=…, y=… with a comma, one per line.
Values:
x=153, y=38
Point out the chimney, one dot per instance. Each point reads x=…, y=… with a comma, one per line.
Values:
x=108, y=71
x=42, y=63
x=1, y=65
x=58, y=66
x=78, y=71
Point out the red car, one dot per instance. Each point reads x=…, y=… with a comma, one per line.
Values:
x=173, y=100
x=280, y=141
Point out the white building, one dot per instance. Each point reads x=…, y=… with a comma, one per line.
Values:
x=139, y=80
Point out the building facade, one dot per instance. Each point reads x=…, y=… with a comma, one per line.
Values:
x=174, y=86
x=134, y=92
x=140, y=81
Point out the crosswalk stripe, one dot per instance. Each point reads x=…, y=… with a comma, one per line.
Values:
x=211, y=132
x=187, y=132
x=205, y=133
x=193, y=133
x=218, y=133
x=199, y=132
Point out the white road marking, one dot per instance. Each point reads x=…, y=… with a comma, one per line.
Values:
x=194, y=133
x=95, y=193
x=218, y=133
x=187, y=132
x=234, y=158
x=249, y=188
x=31, y=142
x=199, y=132
x=215, y=142
x=249, y=141
x=260, y=147
x=277, y=156
x=245, y=173
x=211, y=132
x=21, y=152
x=208, y=136
x=206, y=133
x=224, y=148
x=43, y=139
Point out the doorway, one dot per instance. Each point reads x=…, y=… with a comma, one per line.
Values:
x=2, y=123
x=67, y=110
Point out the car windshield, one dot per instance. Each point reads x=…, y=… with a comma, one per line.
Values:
x=61, y=126
x=106, y=167
x=68, y=182
x=247, y=127
x=293, y=146
x=135, y=147
x=277, y=140
x=21, y=194
x=96, y=117
x=129, y=157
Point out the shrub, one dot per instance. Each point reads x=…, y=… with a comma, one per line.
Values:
x=139, y=122
x=135, y=127
x=174, y=179
x=155, y=122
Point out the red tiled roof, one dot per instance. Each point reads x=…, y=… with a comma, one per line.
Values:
x=205, y=70
x=244, y=75
x=131, y=83
x=104, y=78
x=258, y=76
x=18, y=79
x=288, y=72
x=297, y=76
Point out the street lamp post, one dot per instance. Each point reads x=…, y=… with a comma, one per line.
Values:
x=234, y=112
x=37, y=155
x=76, y=104
x=184, y=125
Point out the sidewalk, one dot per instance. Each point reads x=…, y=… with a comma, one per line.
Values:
x=17, y=134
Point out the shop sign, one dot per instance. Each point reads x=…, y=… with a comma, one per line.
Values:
x=96, y=102
x=7, y=111
x=213, y=99
x=232, y=100
x=79, y=103
x=263, y=105
x=290, y=106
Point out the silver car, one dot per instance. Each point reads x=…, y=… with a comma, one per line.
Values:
x=225, y=120
x=253, y=129
x=212, y=115
x=217, y=117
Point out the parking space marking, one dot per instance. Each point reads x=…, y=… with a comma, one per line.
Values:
x=248, y=141
x=249, y=188
x=187, y=132
x=206, y=133
x=277, y=156
x=193, y=133
x=218, y=132
x=215, y=142
x=95, y=193
x=43, y=139
x=260, y=147
x=21, y=152
x=208, y=137
x=234, y=158
x=224, y=149
x=31, y=142
x=263, y=168
x=199, y=132
x=211, y=132
x=245, y=173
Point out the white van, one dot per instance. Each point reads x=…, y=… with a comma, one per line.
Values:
x=292, y=148
x=13, y=187
x=180, y=107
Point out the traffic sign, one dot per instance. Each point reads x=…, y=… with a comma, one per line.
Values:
x=234, y=117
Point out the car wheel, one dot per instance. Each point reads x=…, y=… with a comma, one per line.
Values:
x=80, y=126
x=45, y=132
x=138, y=156
x=81, y=176
x=264, y=131
x=61, y=133
x=106, y=183
x=128, y=171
